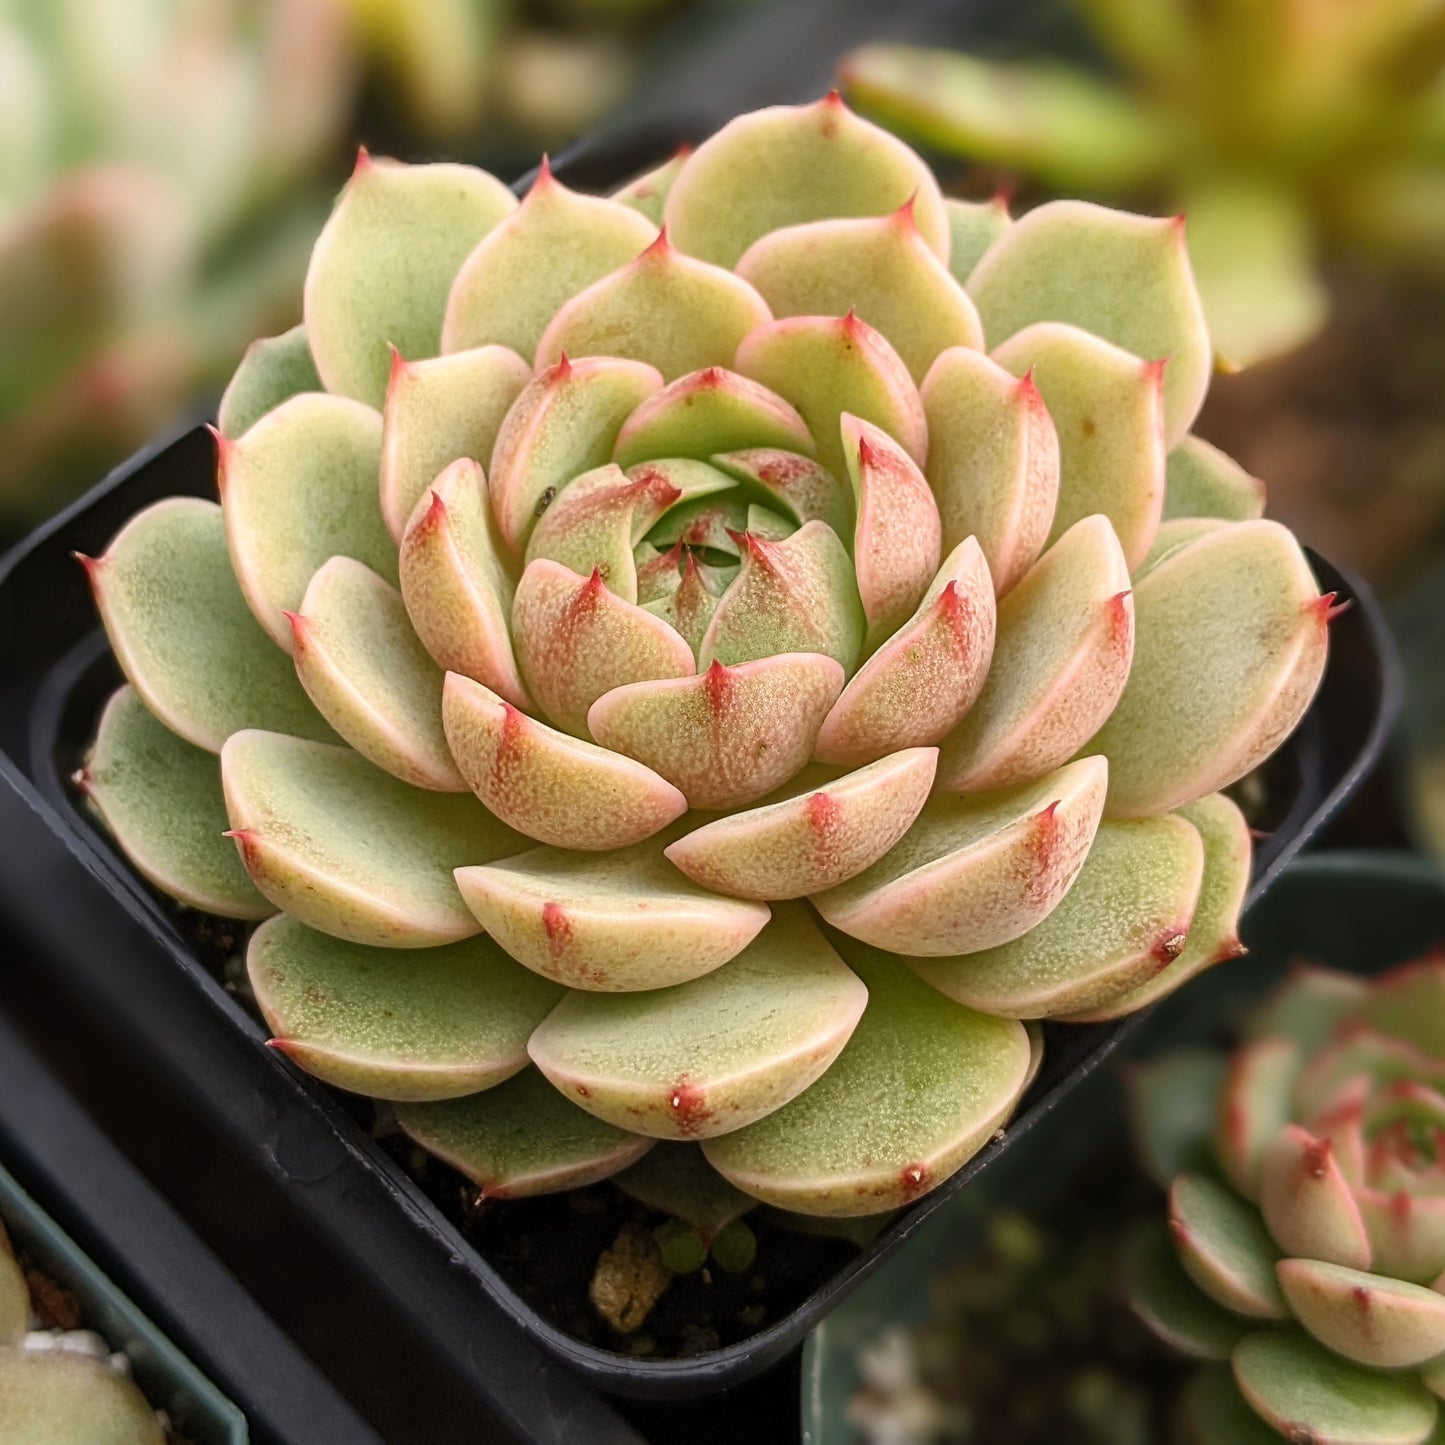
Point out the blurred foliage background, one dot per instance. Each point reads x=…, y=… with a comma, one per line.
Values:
x=165, y=165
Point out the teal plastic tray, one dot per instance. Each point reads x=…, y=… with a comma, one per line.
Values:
x=170, y=1381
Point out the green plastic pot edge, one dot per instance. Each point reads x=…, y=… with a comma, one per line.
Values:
x=170, y=1381
x=1353, y=910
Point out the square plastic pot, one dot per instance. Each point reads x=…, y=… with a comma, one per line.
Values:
x=57, y=672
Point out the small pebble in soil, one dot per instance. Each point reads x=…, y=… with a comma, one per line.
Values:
x=629, y=1279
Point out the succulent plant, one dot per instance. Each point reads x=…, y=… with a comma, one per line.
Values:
x=137, y=140
x=673, y=683
x=1307, y=1259
x=54, y=1390
x=1285, y=128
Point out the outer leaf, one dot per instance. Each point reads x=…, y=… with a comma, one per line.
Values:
x=829, y=365
x=1125, y=918
x=787, y=165
x=1367, y=1318
x=1170, y=1303
x=897, y=542
x=648, y=193
x=1201, y=481
x=667, y=309
x=457, y=585
x=1214, y=929
x=298, y=489
x=384, y=264
x=1308, y=1006
x=576, y=641
x=438, y=411
x=1171, y=1109
x=1213, y=1412
x=707, y=1057
x=1254, y=1106
x=555, y=244
x=56, y=1395
x=973, y=227
x=272, y=370
x=610, y=922
x=183, y=634
x=1300, y=1388
x=814, y=837
x=709, y=411
x=520, y=1139
x=554, y=788
x=565, y=423
x=1054, y=122
x=974, y=873
x=1242, y=606
x=406, y=1025
x=1307, y=1203
x=349, y=850
x=792, y=595
x=993, y=461
x=1105, y=406
x=916, y=688
x=1174, y=537
x=1225, y=1248
x=161, y=798
x=361, y=664
x=919, y=1089
x=1122, y=277
x=1061, y=659
x=728, y=736
x=678, y=1180
x=880, y=266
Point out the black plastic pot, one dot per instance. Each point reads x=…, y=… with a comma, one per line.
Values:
x=190, y=1327
x=56, y=673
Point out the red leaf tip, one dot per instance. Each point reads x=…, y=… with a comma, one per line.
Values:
x=1327, y=609
x=658, y=249
x=92, y=566
x=905, y=216
x=363, y=162
x=1154, y=371
x=397, y=368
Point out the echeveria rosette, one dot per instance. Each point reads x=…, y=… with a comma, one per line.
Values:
x=674, y=682
x=1306, y=1179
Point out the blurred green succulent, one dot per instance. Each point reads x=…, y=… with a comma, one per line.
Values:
x=1282, y=127
x=137, y=137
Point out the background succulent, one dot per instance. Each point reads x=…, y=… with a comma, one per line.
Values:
x=801, y=699
x=1282, y=128
x=1306, y=1212
x=137, y=140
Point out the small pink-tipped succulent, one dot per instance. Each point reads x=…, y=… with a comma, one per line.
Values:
x=1306, y=1179
x=709, y=663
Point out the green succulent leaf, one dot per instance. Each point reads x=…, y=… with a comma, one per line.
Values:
x=1241, y=604
x=1299, y=1386
x=350, y=850
x=789, y=165
x=273, y=370
x=993, y=461
x=1254, y=1105
x=369, y=676
x=707, y=1057
x=554, y=245
x=816, y=834
x=1123, y=278
x=975, y=872
x=383, y=266
x=973, y=227
x=1061, y=660
x=1105, y=406
x=1369, y=1318
x=438, y=411
x=1213, y=1412
x=920, y=1087
x=183, y=634
x=521, y=1138
x=678, y=1180
x=161, y=798
x=1201, y=481
x=408, y=1025
x=879, y=266
x=648, y=193
x=1171, y=1108
x=1308, y=1006
x=297, y=490
x=1307, y=1202
x=611, y=922
x=792, y=484
x=56, y=1396
x=1126, y=917
x=1170, y=1303
x=1225, y=1248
